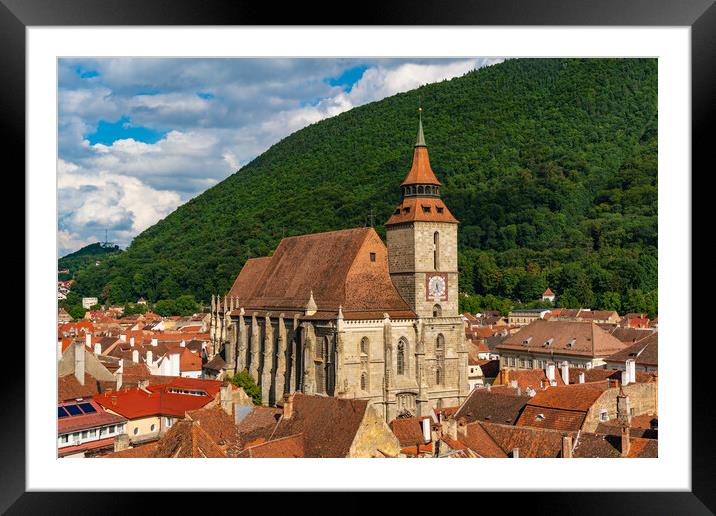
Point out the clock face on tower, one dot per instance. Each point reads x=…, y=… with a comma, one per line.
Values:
x=436, y=287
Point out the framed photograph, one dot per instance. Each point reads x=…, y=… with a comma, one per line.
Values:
x=236, y=215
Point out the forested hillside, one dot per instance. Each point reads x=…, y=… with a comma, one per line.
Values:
x=549, y=164
x=81, y=258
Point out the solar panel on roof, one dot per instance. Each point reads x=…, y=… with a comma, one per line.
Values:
x=73, y=410
x=61, y=412
x=87, y=408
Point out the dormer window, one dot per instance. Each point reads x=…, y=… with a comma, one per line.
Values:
x=406, y=210
x=440, y=209
x=571, y=343
x=527, y=341
x=548, y=342
x=426, y=209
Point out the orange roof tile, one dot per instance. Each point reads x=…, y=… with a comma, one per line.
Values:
x=430, y=209
x=335, y=266
x=420, y=172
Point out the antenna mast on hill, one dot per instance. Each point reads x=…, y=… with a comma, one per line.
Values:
x=106, y=242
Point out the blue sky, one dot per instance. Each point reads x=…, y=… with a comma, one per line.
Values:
x=139, y=137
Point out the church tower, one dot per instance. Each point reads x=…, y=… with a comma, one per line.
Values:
x=422, y=241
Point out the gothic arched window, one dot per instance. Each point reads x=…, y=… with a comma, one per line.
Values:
x=364, y=381
x=440, y=358
x=437, y=311
x=401, y=357
x=436, y=252
x=364, y=346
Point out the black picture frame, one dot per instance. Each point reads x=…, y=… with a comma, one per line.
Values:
x=700, y=15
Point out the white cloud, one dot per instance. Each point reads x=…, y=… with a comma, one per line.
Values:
x=118, y=202
x=68, y=241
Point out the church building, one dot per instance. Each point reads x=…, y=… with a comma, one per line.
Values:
x=343, y=314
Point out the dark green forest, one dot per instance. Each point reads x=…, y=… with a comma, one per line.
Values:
x=549, y=164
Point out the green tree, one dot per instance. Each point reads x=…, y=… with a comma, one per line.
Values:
x=185, y=305
x=166, y=307
x=243, y=379
x=610, y=301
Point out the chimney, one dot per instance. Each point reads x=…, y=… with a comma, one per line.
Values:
x=183, y=343
x=566, y=447
x=118, y=377
x=436, y=432
x=123, y=338
x=150, y=357
x=581, y=377
x=515, y=453
x=550, y=372
x=121, y=442
x=449, y=427
x=623, y=409
x=59, y=350
x=565, y=372
x=462, y=426
x=155, y=342
x=505, y=376
x=631, y=370
x=288, y=406
x=98, y=349
x=225, y=398
x=88, y=340
x=174, y=360
x=131, y=341
x=625, y=377
x=135, y=356
x=625, y=441
x=79, y=361
x=427, y=436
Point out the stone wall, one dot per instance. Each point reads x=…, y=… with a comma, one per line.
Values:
x=642, y=399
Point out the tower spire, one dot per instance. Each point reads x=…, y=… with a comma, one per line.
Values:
x=420, y=141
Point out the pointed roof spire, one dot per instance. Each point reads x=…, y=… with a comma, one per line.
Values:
x=420, y=171
x=311, y=307
x=420, y=141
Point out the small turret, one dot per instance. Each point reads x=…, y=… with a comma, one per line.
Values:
x=311, y=307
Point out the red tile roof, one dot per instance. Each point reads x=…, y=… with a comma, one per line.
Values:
x=187, y=439
x=335, y=266
x=159, y=400
x=68, y=388
x=409, y=430
x=644, y=351
x=329, y=425
x=285, y=447
x=568, y=337
x=429, y=209
x=579, y=397
x=556, y=419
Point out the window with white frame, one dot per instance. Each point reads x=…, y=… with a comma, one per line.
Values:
x=603, y=415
